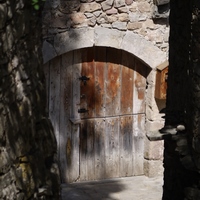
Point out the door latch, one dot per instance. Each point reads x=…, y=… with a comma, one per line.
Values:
x=82, y=110
x=84, y=79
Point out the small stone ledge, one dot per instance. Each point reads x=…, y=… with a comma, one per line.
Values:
x=157, y=135
x=167, y=132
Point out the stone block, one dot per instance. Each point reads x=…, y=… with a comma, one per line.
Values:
x=106, y=5
x=119, y=25
x=48, y=51
x=153, y=150
x=153, y=168
x=90, y=7
x=132, y=41
x=108, y=37
x=134, y=25
x=144, y=7
x=154, y=125
x=75, y=39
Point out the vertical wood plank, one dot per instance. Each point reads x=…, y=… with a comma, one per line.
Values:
x=87, y=150
x=90, y=150
x=139, y=87
x=127, y=84
x=76, y=73
x=126, y=146
x=47, y=83
x=88, y=87
x=68, y=151
x=75, y=133
x=113, y=75
x=99, y=149
x=83, y=151
x=100, y=64
x=112, y=147
x=138, y=143
x=54, y=95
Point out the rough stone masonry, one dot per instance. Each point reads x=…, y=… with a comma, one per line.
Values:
x=28, y=163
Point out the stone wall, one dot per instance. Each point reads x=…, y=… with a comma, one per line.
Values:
x=181, y=153
x=123, y=15
x=131, y=25
x=28, y=163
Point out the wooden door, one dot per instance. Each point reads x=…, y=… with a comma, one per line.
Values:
x=97, y=105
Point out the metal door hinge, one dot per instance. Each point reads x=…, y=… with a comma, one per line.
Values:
x=82, y=110
x=84, y=79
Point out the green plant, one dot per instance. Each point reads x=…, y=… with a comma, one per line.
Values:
x=36, y=4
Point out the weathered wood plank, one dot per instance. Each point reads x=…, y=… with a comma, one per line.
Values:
x=126, y=85
x=90, y=150
x=138, y=143
x=66, y=147
x=88, y=87
x=47, y=83
x=76, y=71
x=113, y=82
x=139, y=87
x=54, y=96
x=99, y=149
x=100, y=64
x=83, y=151
x=126, y=146
x=112, y=147
x=87, y=150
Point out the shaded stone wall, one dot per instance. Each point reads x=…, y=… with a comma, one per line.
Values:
x=28, y=164
x=181, y=154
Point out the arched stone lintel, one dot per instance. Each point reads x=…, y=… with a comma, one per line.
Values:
x=100, y=36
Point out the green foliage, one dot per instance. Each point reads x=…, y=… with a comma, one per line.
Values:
x=36, y=4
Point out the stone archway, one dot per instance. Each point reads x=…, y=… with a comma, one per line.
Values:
x=103, y=37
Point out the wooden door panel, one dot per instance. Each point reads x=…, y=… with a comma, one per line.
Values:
x=54, y=95
x=113, y=82
x=126, y=146
x=108, y=140
x=100, y=65
x=126, y=85
x=100, y=139
x=138, y=143
x=88, y=87
x=112, y=147
x=66, y=147
x=139, y=87
x=87, y=150
x=76, y=72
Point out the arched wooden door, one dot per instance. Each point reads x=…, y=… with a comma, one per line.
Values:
x=97, y=107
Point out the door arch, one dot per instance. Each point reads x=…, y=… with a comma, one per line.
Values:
x=96, y=99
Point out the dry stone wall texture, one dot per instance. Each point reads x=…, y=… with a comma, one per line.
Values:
x=122, y=15
x=28, y=164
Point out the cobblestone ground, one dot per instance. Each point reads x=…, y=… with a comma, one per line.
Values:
x=131, y=188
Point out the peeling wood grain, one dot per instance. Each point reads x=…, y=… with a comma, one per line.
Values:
x=126, y=146
x=47, y=83
x=100, y=64
x=54, y=96
x=113, y=82
x=126, y=85
x=139, y=87
x=112, y=147
x=88, y=88
x=100, y=149
x=138, y=143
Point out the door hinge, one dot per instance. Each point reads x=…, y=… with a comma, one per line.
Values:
x=84, y=79
x=82, y=110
